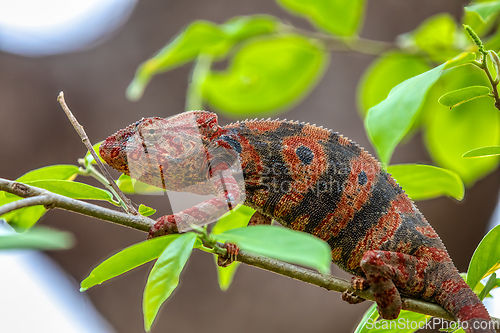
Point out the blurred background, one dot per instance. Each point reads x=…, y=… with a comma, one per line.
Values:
x=91, y=51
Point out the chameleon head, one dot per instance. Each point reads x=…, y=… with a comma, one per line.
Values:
x=168, y=153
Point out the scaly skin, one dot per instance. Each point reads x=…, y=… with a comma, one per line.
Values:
x=308, y=179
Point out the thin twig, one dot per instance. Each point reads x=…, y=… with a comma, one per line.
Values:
x=28, y=202
x=85, y=139
x=357, y=44
x=138, y=222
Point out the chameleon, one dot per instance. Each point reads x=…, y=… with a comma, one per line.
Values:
x=309, y=179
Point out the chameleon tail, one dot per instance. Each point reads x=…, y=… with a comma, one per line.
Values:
x=456, y=297
x=440, y=282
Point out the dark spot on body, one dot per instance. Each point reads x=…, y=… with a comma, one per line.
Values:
x=362, y=178
x=305, y=154
x=232, y=142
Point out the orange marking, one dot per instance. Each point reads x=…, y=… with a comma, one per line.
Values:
x=286, y=203
x=343, y=141
x=300, y=223
x=260, y=197
x=263, y=126
x=336, y=253
x=316, y=132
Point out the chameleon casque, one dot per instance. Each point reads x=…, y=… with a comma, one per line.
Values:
x=309, y=179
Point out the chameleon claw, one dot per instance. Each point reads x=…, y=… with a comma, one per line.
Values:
x=231, y=255
x=350, y=298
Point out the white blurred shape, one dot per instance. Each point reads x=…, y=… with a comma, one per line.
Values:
x=493, y=304
x=45, y=27
x=37, y=296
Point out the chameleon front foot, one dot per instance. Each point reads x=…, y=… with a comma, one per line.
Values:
x=165, y=225
x=381, y=271
x=230, y=256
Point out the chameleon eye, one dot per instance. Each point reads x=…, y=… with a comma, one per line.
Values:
x=152, y=131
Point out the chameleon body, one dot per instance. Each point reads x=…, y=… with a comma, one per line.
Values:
x=308, y=179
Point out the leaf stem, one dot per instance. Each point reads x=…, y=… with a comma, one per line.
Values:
x=484, y=64
x=89, y=170
x=357, y=44
x=194, y=95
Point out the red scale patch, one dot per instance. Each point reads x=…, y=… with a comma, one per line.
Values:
x=433, y=254
x=427, y=231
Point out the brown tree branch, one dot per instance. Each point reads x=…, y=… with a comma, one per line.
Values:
x=27, y=202
x=140, y=222
x=53, y=200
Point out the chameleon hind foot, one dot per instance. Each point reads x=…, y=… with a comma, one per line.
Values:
x=165, y=225
x=380, y=273
x=230, y=256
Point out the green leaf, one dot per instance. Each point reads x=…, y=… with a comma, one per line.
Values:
x=495, y=63
x=370, y=316
x=450, y=133
x=422, y=182
x=225, y=275
x=482, y=152
x=486, y=258
x=200, y=37
x=164, y=276
x=240, y=28
x=384, y=74
x=282, y=244
x=492, y=283
x=38, y=238
x=266, y=75
x=73, y=190
x=127, y=259
x=132, y=186
x=338, y=17
x=388, y=122
x=455, y=98
x=237, y=218
x=463, y=58
x=484, y=9
x=90, y=159
x=407, y=322
x=436, y=37
x=146, y=211
x=59, y=171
